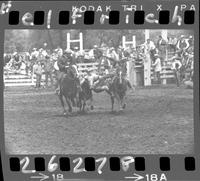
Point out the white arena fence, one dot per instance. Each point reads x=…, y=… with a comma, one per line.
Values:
x=12, y=79
x=20, y=78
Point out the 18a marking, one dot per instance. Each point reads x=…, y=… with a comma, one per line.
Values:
x=156, y=177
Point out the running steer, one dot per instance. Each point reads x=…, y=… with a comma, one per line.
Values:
x=85, y=95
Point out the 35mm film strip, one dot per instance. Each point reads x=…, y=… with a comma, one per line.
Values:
x=100, y=90
x=113, y=18
x=89, y=14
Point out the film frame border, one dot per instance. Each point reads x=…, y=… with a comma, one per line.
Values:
x=179, y=158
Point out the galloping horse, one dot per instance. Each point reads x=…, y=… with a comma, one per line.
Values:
x=68, y=90
x=117, y=87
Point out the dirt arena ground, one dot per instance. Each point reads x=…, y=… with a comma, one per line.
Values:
x=157, y=120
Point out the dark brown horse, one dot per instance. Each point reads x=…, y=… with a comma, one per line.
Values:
x=117, y=88
x=68, y=90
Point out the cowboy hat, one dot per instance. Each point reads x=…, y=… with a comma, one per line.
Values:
x=67, y=51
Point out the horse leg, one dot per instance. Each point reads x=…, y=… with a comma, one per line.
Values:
x=123, y=104
x=91, y=101
x=112, y=103
x=112, y=98
x=119, y=103
x=80, y=105
x=62, y=103
x=69, y=105
x=83, y=109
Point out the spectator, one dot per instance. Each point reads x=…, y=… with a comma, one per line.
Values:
x=27, y=62
x=48, y=70
x=176, y=66
x=150, y=48
x=44, y=52
x=59, y=51
x=37, y=70
x=172, y=41
x=139, y=56
x=97, y=53
x=161, y=42
x=23, y=67
x=120, y=52
x=191, y=40
x=17, y=61
x=80, y=57
x=34, y=54
x=45, y=47
x=157, y=68
x=161, y=45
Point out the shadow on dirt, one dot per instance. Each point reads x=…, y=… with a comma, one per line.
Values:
x=90, y=113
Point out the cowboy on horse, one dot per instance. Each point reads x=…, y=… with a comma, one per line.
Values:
x=106, y=74
x=68, y=67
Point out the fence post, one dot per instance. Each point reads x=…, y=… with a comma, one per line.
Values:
x=147, y=70
x=129, y=65
x=164, y=34
x=81, y=41
x=68, y=40
x=147, y=64
x=32, y=78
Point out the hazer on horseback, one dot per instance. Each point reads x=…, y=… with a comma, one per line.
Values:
x=68, y=81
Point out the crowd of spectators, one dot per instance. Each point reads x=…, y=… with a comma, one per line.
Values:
x=41, y=61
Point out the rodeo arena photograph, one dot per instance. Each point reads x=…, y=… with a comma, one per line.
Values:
x=98, y=91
